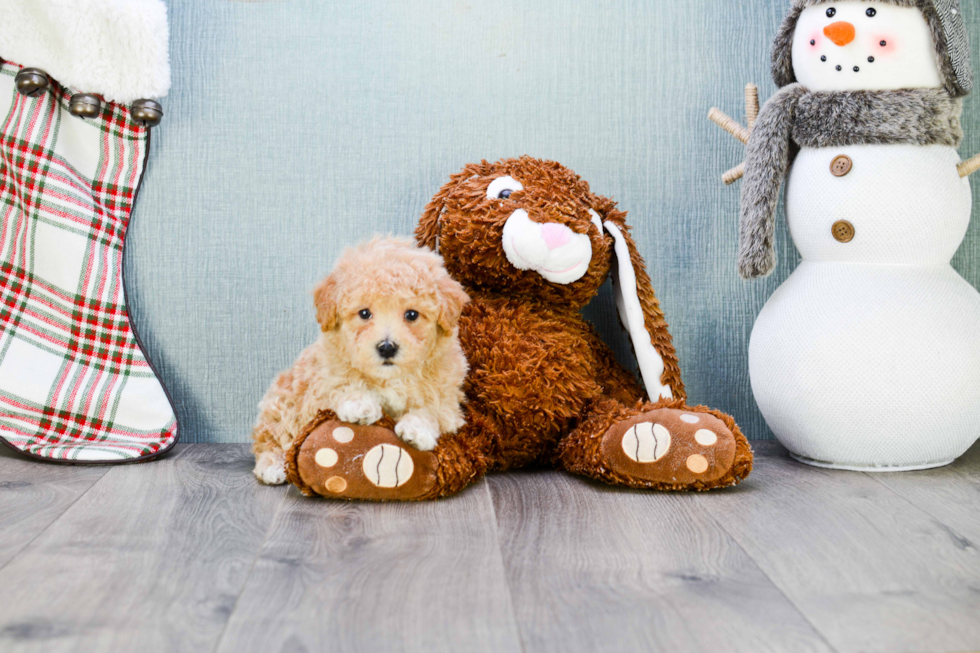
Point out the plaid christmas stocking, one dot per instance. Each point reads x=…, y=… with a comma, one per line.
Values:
x=75, y=385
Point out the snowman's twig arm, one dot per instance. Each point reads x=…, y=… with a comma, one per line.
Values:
x=751, y=104
x=724, y=121
x=733, y=175
x=968, y=167
x=741, y=133
x=727, y=123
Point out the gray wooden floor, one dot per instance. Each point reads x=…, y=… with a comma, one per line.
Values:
x=190, y=554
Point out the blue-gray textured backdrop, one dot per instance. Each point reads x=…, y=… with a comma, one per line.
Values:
x=295, y=128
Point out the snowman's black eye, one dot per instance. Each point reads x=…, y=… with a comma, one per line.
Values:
x=871, y=12
x=831, y=12
x=505, y=193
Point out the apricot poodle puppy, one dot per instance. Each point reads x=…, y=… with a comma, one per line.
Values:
x=389, y=344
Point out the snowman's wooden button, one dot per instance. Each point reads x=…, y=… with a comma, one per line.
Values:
x=841, y=165
x=843, y=231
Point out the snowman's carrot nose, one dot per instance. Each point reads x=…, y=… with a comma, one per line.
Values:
x=841, y=32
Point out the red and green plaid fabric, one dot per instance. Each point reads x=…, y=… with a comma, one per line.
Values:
x=74, y=383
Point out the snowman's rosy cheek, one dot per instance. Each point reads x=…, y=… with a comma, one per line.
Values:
x=814, y=41
x=883, y=44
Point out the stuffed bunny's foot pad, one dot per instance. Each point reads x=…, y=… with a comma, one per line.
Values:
x=672, y=447
x=347, y=461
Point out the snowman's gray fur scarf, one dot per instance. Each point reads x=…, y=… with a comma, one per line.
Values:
x=918, y=116
x=795, y=117
x=767, y=158
x=948, y=33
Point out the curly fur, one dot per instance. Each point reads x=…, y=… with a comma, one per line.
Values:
x=542, y=387
x=468, y=227
x=424, y=379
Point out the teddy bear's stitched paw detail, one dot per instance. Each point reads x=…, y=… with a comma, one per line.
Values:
x=364, y=462
x=418, y=431
x=672, y=447
x=270, y=467
x=362, y=409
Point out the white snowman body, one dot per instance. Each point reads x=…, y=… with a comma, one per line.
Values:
x=868, y=356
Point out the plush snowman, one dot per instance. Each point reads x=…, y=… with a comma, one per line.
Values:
x=868, y=356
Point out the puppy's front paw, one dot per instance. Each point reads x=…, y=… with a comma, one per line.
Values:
x=362, y=409
x=418, y=431
x=270, y=467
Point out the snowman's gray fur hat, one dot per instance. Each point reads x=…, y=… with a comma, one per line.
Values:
x=948, y=33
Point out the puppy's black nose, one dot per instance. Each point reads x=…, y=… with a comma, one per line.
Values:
x=387, y=349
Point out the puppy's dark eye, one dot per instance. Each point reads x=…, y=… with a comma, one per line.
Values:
x=504, y=194
x=871, y=12
x=411, y=315
x=831, y=12
x=365, y=314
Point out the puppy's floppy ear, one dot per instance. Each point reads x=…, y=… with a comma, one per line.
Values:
x=451, y=298
x=639, y=311
x=427, y=232
x=325, y=300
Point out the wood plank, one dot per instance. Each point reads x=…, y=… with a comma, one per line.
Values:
x=34, y=494
x=152, y=558
x=951, y=494
x=594, y=568
x=870, y=570
x=343, y=576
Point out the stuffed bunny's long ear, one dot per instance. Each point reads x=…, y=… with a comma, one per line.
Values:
x=640, y=313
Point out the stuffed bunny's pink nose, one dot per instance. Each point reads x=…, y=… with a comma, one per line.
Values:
x=555, y=235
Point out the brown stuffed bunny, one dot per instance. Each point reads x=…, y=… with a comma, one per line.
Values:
x=532, y=245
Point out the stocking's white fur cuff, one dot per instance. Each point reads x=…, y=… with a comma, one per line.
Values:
x=117, y=48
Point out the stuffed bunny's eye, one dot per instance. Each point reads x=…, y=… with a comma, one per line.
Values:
x=501, y=188
x=411, y=315
x=364, y=314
